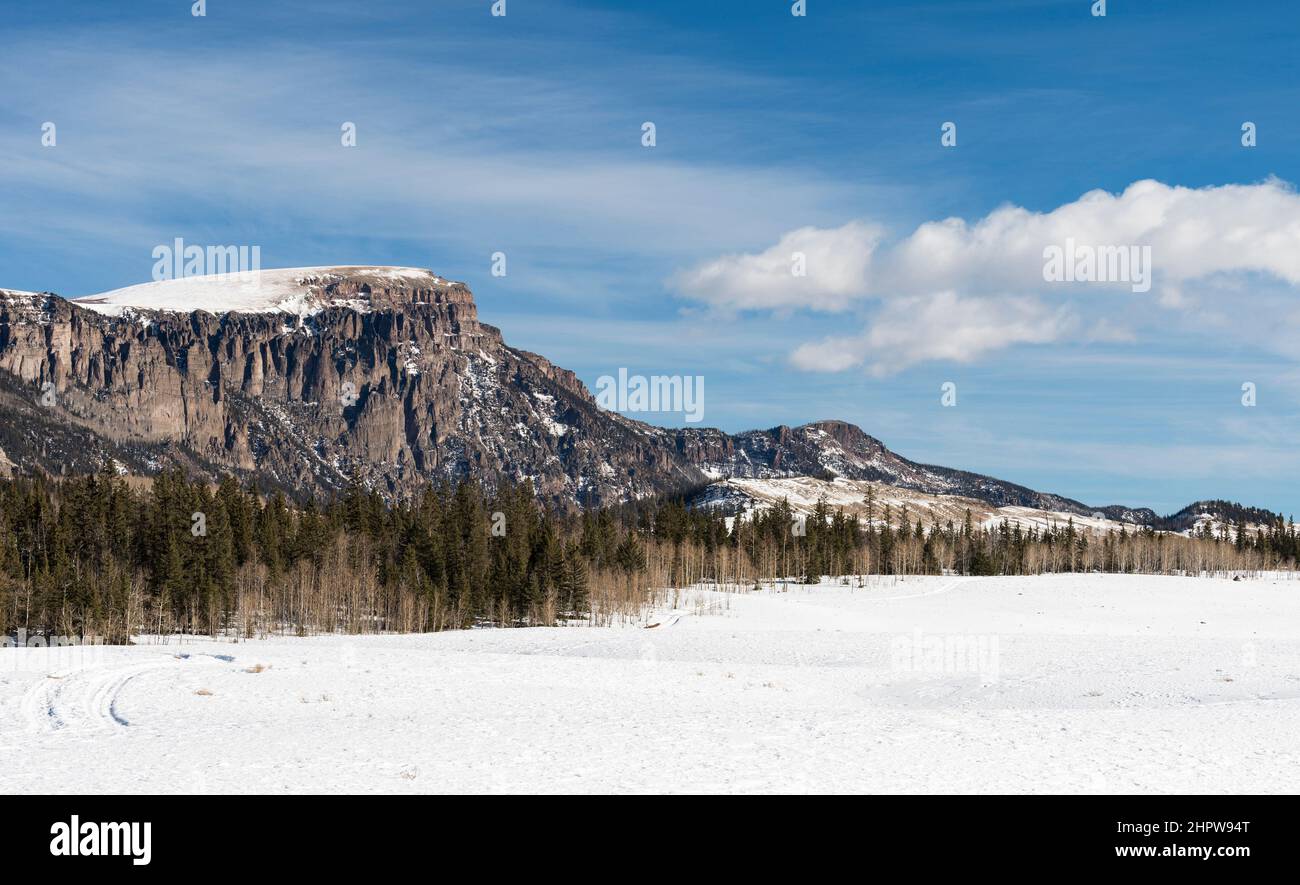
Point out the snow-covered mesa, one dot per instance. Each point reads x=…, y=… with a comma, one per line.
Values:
x=1069, y=683
x=293, y=290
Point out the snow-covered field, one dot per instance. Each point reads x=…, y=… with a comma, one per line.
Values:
x=1062, y=683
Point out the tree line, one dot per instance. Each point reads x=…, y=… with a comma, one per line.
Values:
x=114, y=557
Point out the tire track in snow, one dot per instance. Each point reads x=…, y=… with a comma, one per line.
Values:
x=101, y=703
x=39, y=709
x=86, y=699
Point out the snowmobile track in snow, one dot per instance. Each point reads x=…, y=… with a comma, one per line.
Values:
x=86, y=699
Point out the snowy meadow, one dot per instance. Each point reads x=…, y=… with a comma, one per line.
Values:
x=1056, y=683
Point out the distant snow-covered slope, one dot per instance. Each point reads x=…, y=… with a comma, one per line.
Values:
x=838, y=449
x=747, y=496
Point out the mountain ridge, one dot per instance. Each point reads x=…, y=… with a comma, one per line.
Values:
x=311, y=378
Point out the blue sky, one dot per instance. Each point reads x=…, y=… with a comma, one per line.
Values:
x=522, y=134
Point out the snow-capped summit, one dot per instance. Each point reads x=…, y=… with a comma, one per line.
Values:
x=295, y=290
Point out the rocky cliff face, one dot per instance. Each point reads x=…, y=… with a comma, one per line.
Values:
x=305, y=379
x=393, y=381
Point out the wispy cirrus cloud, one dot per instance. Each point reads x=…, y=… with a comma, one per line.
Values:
x=240, y=141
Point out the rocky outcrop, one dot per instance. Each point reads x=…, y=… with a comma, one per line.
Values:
x=837, y=448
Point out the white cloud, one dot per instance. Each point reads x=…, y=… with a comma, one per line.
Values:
x=958, y=290
x=1192, y=232
x=945, y=326
x=812, y=268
